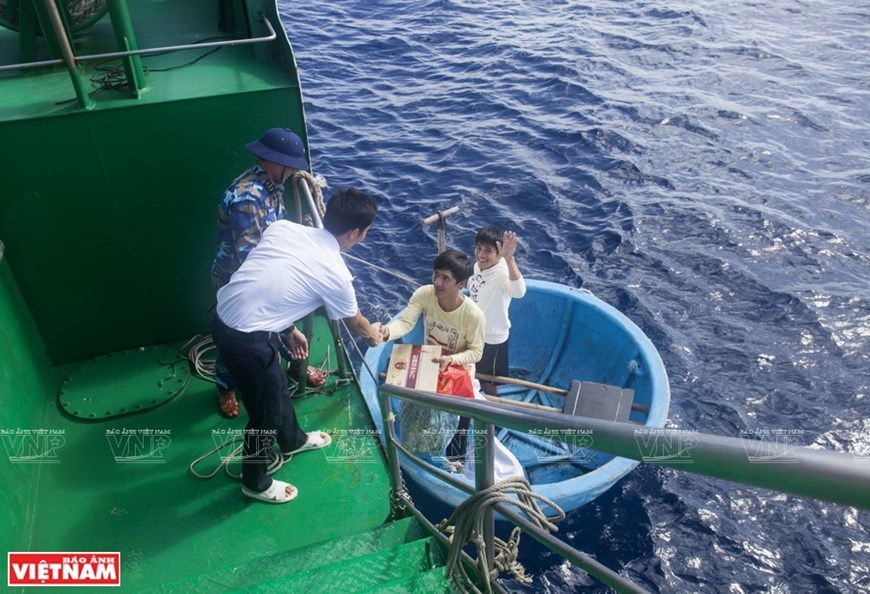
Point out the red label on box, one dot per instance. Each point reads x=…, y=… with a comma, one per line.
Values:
x=64, y=569
x=413, y=367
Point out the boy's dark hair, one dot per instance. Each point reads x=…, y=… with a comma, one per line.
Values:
x=349, y=209
x=489, y=235
x=456, y=263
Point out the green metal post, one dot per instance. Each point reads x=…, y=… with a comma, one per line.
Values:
x=343, y=367
x=392, y=453
x=126, y=40
x=484, y=478
x=60, y=34
x=45, y=26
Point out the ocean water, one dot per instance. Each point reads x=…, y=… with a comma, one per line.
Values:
x=703, y=167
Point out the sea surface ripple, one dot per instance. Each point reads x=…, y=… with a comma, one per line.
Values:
x=703, y=167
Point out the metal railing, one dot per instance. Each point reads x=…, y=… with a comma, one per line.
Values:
x=817, y=473
x=125, y=37
x=271, y=36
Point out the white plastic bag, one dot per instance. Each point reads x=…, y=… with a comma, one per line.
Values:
x=506, y=464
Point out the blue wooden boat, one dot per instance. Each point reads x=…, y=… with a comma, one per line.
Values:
x=106, y=240
x=559, y=334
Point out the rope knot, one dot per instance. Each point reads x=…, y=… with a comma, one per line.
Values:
x=467, y=525
x=315, y=186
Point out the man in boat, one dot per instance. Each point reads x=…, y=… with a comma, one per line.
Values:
x=251, y=203
x=495, y=281
x=450, y=320
x=292, y=271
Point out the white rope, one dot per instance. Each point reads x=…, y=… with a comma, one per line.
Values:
x=376, y=267
x=315, y=186
x=198, y=346
x=467, y=525
x=195, y=350
x=276, y=459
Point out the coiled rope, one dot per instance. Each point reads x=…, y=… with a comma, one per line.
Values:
x=467, y=525
x=315, y=186
x=194, y=350
x=276, y=459
x=200, y=351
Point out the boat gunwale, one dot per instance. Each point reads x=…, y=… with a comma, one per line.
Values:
x=590, y=484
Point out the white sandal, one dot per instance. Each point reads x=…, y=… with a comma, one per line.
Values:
x=276, y=493
x=316, y=440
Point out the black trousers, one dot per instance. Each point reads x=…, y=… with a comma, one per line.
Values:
x=493, y=362
x=254, y=360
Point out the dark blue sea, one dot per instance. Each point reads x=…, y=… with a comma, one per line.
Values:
x=704, y=167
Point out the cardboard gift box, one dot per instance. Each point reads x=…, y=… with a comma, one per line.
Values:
x=411, y=366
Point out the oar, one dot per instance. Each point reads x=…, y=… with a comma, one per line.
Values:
x=499, y=379
x=526, y=384
x=508, y=400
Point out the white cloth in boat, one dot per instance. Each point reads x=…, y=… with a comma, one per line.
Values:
x=506, y=464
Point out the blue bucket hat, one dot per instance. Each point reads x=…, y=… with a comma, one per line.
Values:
x=281, y=146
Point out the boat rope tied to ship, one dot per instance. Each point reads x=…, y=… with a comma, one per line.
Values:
x=384, y=270
x=441, y=219
x=467, y=524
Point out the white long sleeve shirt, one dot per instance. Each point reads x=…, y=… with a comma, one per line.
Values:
x=492, y=290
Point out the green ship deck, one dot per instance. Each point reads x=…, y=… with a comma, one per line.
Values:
x=186, y=75
x=122, y=484
x=107, y=234
x=109, y=215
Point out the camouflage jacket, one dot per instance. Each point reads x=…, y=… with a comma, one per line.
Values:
x=250, y=204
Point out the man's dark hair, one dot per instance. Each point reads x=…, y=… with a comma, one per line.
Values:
x=456, y=263
x=489, y=235
x=349, y=209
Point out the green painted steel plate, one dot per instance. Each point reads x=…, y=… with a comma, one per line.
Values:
x=124, y=383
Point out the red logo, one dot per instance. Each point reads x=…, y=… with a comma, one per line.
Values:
x=64, y=569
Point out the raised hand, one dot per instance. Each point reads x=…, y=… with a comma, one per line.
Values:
x=508, y=245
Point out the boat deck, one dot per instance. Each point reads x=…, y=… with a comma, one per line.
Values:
x=184, y=74
x=106, y=493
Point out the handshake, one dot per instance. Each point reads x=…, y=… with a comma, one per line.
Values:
x=379, y=333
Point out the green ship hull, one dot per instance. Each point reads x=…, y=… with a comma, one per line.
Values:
x=112, y=172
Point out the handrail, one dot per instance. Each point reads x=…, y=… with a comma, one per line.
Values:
x=828, y=475
x=591, y=566
x=342, y=362
x=817, y=473
x=309, y=202
x=272, y=35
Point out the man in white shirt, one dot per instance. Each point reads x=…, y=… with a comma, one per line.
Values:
x=292, y=271
x=495, y=281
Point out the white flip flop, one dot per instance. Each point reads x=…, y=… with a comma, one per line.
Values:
x=316, y=440
x=276, y=493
